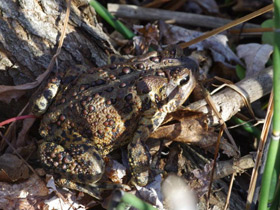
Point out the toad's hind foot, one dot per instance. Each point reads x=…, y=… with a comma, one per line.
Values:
x=93, y=190
x=81, y=164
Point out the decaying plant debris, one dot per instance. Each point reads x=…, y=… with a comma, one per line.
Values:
x=29, y=35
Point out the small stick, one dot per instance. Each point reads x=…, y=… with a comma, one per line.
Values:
x=135, y=12
x=250, y=30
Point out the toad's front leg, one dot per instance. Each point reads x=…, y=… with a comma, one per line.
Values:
x=138, y=153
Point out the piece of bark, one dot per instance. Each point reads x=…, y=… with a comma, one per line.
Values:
x=228, y=167
x=149, y=14
x=29, y=34
x=229, y=102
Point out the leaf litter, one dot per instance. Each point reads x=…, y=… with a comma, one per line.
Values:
x=187, y=129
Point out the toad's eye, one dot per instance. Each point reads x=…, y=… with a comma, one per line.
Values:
x=185, y=80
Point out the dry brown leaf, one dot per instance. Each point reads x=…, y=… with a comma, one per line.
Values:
x=7, y=93
x=150, y=31
x=12, y=168
x=217, y=44
x=61, y=199
x=22, y=195
x=191, y=127
x=255, y=56
x=146, y=36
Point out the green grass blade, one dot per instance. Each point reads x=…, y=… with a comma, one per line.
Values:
x=136, y=202
x=116, y=24
x=122, y=200
x=248, y=127
x=272, y=167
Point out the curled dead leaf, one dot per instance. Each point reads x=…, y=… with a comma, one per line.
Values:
x=187, y=128
x=191, y=127
x=255, y=56
x=7, y=93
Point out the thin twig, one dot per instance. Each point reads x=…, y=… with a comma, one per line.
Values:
x=250, y=30
x=221, y=121
x=227, y=26
x=244, y=96
x=214, y=164
x=229, y=191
